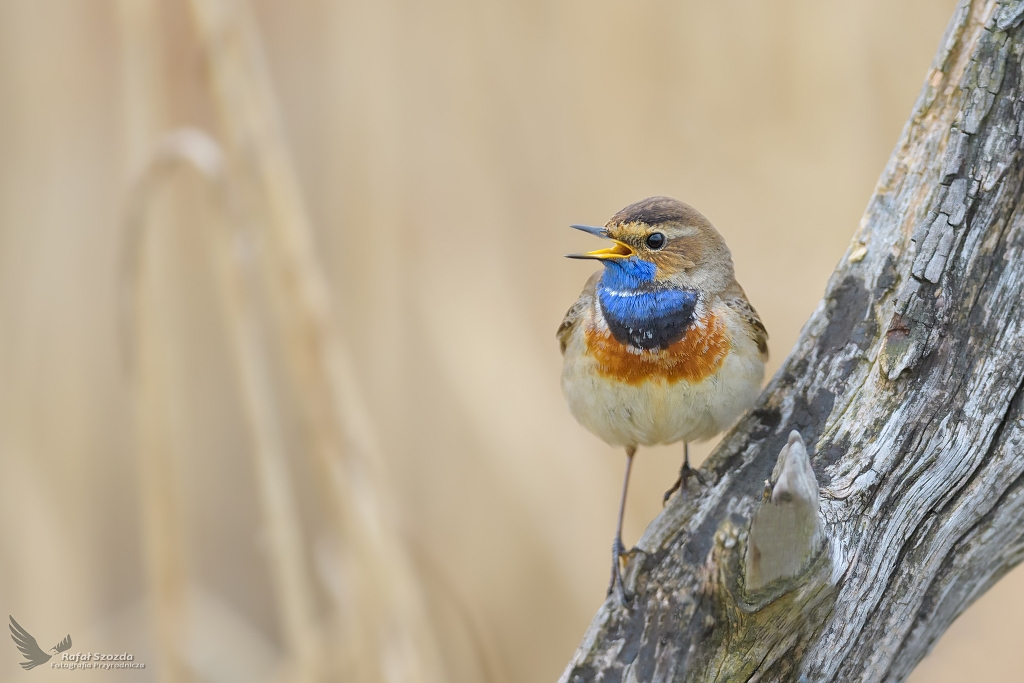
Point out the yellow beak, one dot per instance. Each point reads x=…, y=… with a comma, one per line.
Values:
x=619, y=251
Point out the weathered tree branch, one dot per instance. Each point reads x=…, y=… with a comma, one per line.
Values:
x=907, y=385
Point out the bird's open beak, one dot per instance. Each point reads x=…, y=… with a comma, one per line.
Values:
x=619, y=251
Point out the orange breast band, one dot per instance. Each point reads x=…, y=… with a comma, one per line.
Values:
x=696, y=356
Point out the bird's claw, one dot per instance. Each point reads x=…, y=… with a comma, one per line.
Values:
x=668, y=494
x=685, y=472
x=616, y=586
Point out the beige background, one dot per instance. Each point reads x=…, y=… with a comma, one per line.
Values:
x=441, y=149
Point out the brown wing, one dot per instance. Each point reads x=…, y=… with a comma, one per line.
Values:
x=577, y=311
x=736, y=299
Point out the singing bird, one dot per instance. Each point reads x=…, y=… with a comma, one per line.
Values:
x=662, y=346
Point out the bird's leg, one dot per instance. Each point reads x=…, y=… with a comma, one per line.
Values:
x=617, y=548
x=685, y=472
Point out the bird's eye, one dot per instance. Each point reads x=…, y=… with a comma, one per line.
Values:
x=656, y=240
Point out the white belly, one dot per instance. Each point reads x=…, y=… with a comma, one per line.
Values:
x=657, y=411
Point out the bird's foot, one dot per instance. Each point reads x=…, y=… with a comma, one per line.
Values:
x=668, y=494
x=685, y=472
x=615, y=585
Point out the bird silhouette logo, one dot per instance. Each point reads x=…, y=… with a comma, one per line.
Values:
x=30, y=648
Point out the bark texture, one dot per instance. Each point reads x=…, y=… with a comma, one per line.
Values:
x=906, y=386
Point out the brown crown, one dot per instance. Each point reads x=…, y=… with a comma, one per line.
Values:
x=656, y=211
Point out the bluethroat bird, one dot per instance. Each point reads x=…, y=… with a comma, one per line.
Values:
x=662, y=346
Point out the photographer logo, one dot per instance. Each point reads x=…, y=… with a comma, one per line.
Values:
x=35, y=656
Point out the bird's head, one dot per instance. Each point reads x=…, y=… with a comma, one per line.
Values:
x=665, y=242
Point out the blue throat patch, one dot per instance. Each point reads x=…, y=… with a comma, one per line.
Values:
x=640, y=313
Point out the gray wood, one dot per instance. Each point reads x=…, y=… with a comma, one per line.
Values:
x=906, y=385
x=786, y=529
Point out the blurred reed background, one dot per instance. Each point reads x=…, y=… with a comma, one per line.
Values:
x=279, y=394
